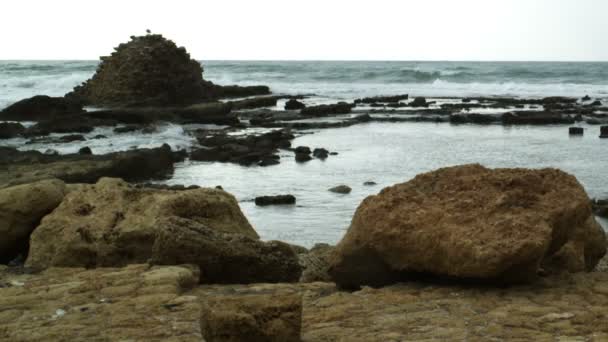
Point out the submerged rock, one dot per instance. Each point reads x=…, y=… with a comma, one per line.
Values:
x=341, y=189
x=21, y=209
x=275, y=200
x=41, y=107
x=113, y=223
x=320, y=153
x=470, y=222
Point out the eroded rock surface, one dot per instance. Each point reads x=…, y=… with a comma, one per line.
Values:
x=470, y=222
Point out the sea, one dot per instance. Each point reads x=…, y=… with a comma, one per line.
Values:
x=385, y=153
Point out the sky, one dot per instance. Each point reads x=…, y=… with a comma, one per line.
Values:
x=509, y=30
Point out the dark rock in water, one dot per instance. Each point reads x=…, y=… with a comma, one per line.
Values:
x=135, y=165
x=294, y=104
x=600, y=207
x=68, y=124
x=302, y=149
x=473, y=118
x=127, y=129
x=586, y=98
x=419, y=102
x=466, y=100
x=72, y=137
x=596, y=103
x=256, y=102
x=535, y=118
x=363, y=118
x=99, y=136
x=370, y=183
x=85, y=150
x=324, y=110
x=147, y=71
x=51, y=152
x=383, y=99
x=320, y=153
x=333, y=153
x=604, y=132
x=275, y=200
x=9, y=130
x=576, y=130
x=269, y=161
x=302, y=154
x=341, y=189
x=41, y=107
x=56, y=140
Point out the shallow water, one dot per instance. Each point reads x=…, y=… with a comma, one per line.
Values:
x=389, y=153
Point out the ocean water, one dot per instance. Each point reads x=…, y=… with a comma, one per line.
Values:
x=386, y=153
x=343, y=80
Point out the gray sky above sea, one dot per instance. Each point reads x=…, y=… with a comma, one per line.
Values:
x=547, y=30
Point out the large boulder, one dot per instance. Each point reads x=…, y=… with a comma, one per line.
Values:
x=10, y=130
x=41, y=107
x=148, y=70
x=113, y=223
x=470, y=222
x=21, y=209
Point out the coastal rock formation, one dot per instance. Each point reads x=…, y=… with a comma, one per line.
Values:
x=325, y=110
x=315, y=263
x=275, y=200
x=30, y=166
x=41, y=107
x=10, y=130
x=21, y=208
x=382, y=99
x=294, y=104
x=113, y=223
x=148, y=70
x=470, y=222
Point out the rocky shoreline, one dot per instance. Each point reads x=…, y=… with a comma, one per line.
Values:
x=91, y=251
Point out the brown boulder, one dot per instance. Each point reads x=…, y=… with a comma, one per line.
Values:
x=470, y=222
x=21, y=208
x=113, y=223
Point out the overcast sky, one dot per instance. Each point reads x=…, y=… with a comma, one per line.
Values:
x=313, y=29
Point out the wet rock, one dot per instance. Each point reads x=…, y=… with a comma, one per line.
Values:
x=275, y=200
x=419, y=102
x=302, y=154
x=294, y=104
x=40, y=107
x=363, y=118
x=148, y=70
x=269, y=161
x=21, y=209
x=68, y=124
x=535, y=118
x=72, y=138
x=383, y=99
x=576, y=131
x=596, y=103
x=325, y=110
x=315, y=263
x=600, y=207
x=99, y=136
x=604, y=132
x=85, y=151
x=320, y=153
x=134, y=165
x=370, y=183
x=513, y=224
x=256, y=102
x=51, y=152
x=9, y=130
x=473, y=118
x=586, y=98
x=341, y=189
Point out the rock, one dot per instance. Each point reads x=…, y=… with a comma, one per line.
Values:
x=596, y=103
x=113, y=223
x=341, y=189
x=134, y=303
x=315, y=263
x=238, y=91
x=256, y=102
x=134, y=165
x=383, y=99
x=9, y=130
x=252, y=317
x=320, y=153
x=67, y=124
x=600, y=208
x=419, y=102
x=363, y=118
x=302, y=154
x=294, y=104
x=72, y=138
x=586, y=98
x=325, y=110
x=147, y=71
x=269, y=161
x=470, y=222
x=604, y=132
x=275, y=200
x=85, y=151
x=370, y=183
x=21, y=209
x=51, y=152
x=535, y=118
x=40, y=107
x=473, y=118
x=576, y=130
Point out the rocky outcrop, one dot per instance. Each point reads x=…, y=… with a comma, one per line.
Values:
x=255, y=102
x=325, y=110
x=294, y=104
x=134, y=165
x=315, y=263
x=470, y=222
x=113, y=223
x=419, y=102
x=10, y=130
x=149, y=70
x=275, y=200
x=41, y=107
x=21, y=209
x=382, y=99
x=536, y=118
